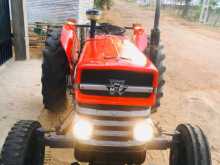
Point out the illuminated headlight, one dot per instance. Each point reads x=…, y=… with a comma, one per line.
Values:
x=143, y=131
x=82, y=130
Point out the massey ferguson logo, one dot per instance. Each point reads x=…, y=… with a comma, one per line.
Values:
x=116, y=87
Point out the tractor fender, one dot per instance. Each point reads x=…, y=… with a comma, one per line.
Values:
x=70, y=43
x=140, y=37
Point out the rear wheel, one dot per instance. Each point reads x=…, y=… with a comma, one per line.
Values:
x=158, y=61
x=190, y=147
x=54, y=73
x=24, y=145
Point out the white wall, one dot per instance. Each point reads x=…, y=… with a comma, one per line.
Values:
x=83, y=6
x=54, y=11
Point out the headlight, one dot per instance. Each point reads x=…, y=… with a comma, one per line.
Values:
x=143, y=131
x=82, y=130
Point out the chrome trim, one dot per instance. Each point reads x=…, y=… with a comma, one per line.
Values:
x=103, y=143
x=111, y=133
x=113, y=113
x=132, y=89
x=97, y=122
x=112, y=123
x=93, y=87
x=139, y=89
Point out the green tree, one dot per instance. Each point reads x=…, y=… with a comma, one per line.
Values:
x=103, y=4
x=214, y=6
x=186, y=8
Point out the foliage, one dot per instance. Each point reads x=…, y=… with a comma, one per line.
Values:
x=213, y=4
x=197, y=11
x=103, y=4
x=186, y=8
x=191, y=11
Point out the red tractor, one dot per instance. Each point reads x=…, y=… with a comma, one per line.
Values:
x=115, y=84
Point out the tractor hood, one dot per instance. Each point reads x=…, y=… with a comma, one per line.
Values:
x=112, y=51
x=113, y=71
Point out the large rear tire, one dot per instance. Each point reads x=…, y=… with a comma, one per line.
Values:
x=54, y=73
x=23, y=145
x=190, y=147
x=158, y=61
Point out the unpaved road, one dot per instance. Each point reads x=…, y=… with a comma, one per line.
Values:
x=20, y=93
x=192, y=92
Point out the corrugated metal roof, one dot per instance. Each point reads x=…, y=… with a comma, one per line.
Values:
x=54, y=11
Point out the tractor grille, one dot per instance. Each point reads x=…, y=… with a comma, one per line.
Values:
x=113, y=127
x=116, y=83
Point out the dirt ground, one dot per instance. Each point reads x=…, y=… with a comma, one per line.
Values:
x=20, y=93
x=192, y=91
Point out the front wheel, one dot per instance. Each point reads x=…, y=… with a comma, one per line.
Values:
x=23, y=145
x=190, y=147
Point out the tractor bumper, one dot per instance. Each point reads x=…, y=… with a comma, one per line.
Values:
x=129, y=155
x=89, y=153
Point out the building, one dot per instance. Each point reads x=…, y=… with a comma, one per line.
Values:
x=180, y=2
x=169, y=2
x=143, y=2
x=57, y=11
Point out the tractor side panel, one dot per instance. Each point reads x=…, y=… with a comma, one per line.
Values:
x=70, y=43
x=140, y=38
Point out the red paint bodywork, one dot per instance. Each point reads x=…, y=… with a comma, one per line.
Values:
x=71, y=44
x=108, y=52
x=140, y=37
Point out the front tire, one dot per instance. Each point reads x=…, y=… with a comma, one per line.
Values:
x=190, y=147
x=54, y=73
x=23, y=145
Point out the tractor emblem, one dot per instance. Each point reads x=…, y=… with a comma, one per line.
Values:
x=116, y=87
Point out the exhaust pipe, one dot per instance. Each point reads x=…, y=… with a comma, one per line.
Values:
x=155, y=32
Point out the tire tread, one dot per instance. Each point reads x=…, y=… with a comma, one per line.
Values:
x=54, y=72
x=17, y=141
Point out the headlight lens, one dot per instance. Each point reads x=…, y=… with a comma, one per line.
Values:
x=82, y=130
x=143, y=131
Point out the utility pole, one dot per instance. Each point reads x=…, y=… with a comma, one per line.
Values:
x=204, y=12
x=20, y=29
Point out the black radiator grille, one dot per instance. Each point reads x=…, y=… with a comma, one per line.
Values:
x=106, y=93
x=104, y=77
